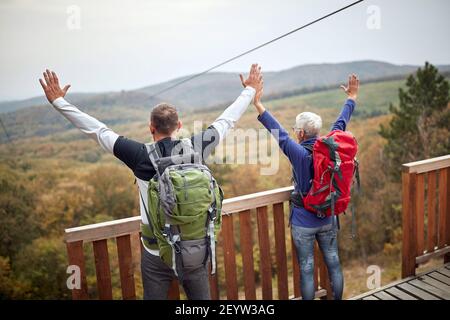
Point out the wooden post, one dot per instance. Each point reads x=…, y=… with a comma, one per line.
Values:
x=409, y=250
x=420, y=213
x=447, y=210
x=229, y=256
x=431, y=196
x=102, y=269
x=76, y=258
x=214, y=283
x=264, y=253
x=245, y=226
x=280, y=248
x=126, y=267
x=174, y=290
x=442, y=236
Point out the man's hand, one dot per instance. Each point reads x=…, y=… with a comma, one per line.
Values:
x=51, y=86
x=254, y=79
x=352, y=87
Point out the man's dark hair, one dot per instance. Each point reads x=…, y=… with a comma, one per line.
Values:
x=164, y=118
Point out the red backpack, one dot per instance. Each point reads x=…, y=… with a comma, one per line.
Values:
x=335, y=166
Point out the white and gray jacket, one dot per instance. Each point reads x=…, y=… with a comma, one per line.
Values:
x=134, y=153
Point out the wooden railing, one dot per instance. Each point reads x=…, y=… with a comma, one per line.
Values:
x=269, y=209
x=426, y=212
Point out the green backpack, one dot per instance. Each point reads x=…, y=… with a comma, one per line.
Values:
x=184, y=209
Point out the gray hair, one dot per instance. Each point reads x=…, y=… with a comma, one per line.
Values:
x=310, y=122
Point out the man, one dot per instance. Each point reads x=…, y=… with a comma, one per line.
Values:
x=307, y=226
x=163, y=126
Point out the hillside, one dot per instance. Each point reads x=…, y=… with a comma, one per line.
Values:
x=43, y=121
x=219, y=87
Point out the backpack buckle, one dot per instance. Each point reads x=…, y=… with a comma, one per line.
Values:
x=177, y=247
x=166, y=232
x=212, y=213
x=321, y=215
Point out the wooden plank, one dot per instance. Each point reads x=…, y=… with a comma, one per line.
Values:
x=410, y=289
x=103, y=230
x=136, y=252
x=116, y=228
x=126, y=267
x=440, y=277
x=280, y=248
x=432, y=281
x=436, y=253
x=444, y=271
x=382, y=295
x=409, y=249
x=264, y=253
x=245, y=225
x=431, y=289
x=102, y=269
x=427, y=165
x=431, y=196
x=370, y=298
x=295, y=269
x=401, y=295
x=393, y=284
x=76, y=258
x=442, y=237
x=420, y=213
x=229, y=256
x=259, y=199
x=447, y=228
x=174, y=290
x=214, y=283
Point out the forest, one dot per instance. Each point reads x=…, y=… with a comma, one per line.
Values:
x=58, y=179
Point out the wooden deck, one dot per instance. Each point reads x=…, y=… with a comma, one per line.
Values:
x=431, y=285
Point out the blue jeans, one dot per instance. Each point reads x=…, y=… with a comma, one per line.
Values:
x=304, y=239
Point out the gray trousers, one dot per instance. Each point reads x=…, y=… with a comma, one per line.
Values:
x=157, y=277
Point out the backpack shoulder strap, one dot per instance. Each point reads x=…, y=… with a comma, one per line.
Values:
x=154, y=153
x=309, y=147
x=187, y=145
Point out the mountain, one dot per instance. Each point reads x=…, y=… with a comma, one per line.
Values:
x=34, y=117
x=217, y=88
x=9, y=106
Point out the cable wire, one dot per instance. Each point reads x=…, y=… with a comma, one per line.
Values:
x=253, y=49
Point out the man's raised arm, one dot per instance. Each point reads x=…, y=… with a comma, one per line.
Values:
x=87, y=124
x=233, y=113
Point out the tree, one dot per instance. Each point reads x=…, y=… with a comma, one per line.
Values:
x=10, y=287
x=42, y=267
x=420, y=125
x=114, y=193
x=18, y=221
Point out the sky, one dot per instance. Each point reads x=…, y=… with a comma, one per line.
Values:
x=109, y=45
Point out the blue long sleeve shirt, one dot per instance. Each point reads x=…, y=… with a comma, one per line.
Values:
x=301, y=161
